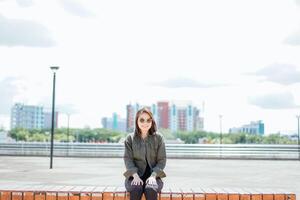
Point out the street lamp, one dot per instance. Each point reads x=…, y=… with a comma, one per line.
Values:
x=298, y=116
x=54, y=69
x=220, y=116
x=221, y=137
x=68, y=131
x=68, y=134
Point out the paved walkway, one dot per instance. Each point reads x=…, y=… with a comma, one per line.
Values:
x=181, y=173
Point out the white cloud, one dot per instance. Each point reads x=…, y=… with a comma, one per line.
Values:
x=185, y=83
x=293, y=39
x=109, y=59
x=8, y=90
x=25, y=3
x=76, y=8
x=18, y=32
x=283, y=100
x=285, y=74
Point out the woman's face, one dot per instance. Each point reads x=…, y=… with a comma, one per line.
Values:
x=144, y=122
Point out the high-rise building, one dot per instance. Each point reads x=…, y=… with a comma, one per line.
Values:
x=184, y=117
x=31, y=117
x=130, y=116
x=163, y=114
x=154, y=111
x=190, y=120
x=198, y=122
x=255, y=127
x=174, y=116
x=27, y=116
x=181, y=119
x=115, y=123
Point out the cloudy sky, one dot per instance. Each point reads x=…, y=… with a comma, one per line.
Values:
x=241, y=58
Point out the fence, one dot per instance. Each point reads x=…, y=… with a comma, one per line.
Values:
x=195, y=151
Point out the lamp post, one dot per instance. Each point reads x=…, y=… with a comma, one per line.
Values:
x=298, y=116
x=68, y=131
x=54, y=69
x=68, y=134
x=221, y=137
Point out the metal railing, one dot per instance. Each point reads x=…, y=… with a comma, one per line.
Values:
x=225, y=151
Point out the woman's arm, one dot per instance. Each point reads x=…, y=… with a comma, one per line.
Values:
x=161, y=159
x=128, y=158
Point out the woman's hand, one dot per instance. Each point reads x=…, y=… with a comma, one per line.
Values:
x=136, y=180
x=151, y=181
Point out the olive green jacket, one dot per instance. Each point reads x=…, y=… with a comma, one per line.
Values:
x=136, y=148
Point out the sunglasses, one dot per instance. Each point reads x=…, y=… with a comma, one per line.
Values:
x=142, y=120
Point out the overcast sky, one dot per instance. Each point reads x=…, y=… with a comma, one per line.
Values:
x=241, y=58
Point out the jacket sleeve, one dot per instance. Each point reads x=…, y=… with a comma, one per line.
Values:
x=161, y=159
x=128, y=158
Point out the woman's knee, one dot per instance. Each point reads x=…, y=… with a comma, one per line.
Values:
x=151, y=189
x=156, y=188
x=135, y=188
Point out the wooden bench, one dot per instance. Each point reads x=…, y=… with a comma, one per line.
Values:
x=55, y=192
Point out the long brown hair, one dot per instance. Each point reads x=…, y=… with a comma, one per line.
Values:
x=153, y=128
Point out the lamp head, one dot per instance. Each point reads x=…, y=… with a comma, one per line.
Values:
x=54, y=68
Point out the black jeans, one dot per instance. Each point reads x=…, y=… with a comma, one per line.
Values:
x=136, y=191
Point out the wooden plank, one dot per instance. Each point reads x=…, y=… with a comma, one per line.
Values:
x=176, y=194
x=120, y=193
x=244, y=195
x=255, y=195
x=290, y=197
x=17, y=196
x=187, y=194
x=39, y=195
x=51, y=195
x=62, y=196
x=165, y=194
x=232, y=193
x=5, y=195
x=198, y=194
x=85, y=193
x=28, y=195
x=108, y=193
x=279, y=196
x=209, y=194
x=74, y=195
x=98, y=193
x=97, y=196
x=221, y=194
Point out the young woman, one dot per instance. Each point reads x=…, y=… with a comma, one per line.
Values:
x=145, y=158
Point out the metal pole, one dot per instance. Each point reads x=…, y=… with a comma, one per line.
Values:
x=68, y=134
x=220, y=116
x=221, y=136
x=52, y=123
x=298, y=116
x=53, y=112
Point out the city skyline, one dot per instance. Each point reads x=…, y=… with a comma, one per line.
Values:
x=240, y=58
x=36, y=117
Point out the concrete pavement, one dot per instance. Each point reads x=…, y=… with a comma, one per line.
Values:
x=180, y=172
